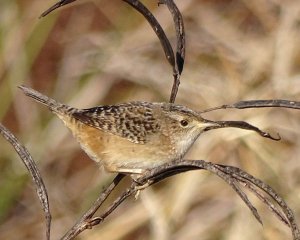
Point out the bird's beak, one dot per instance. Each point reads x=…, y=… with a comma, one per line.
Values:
x=208, y=124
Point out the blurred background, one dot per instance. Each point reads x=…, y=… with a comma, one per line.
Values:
x=91, y=53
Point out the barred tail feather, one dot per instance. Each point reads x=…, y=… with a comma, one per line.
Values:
x=52, y=104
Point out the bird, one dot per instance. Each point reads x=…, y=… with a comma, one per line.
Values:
x=134, y=137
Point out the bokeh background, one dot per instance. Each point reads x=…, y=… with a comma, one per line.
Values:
x=103, y=52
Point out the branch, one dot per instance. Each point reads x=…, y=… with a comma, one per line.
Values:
x=180, y=34
x=258, y=104
x=266, y=201
x=168, y=50
x=34, y=172
x=242, y=175
x=55, y=6
x=176, y=61
x=232, y=175
x=180, y=45
x=242, y=125
x=86, y=221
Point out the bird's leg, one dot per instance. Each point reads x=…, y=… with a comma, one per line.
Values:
x=141, y=185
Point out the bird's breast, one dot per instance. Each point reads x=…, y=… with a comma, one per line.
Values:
x=114, y=151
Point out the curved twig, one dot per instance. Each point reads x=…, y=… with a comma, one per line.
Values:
x=242, y=125
x=34, y=172
x=258, y=104
x=232, y=175
x=266, y=201
x=168, y=50
x=242, y=175
x=55, y=6
x=180, y=33
x=180, y=46
x=86, y=221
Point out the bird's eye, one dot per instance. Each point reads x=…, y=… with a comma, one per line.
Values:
x=184, y=123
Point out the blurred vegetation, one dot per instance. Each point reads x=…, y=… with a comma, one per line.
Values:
x=103, y=52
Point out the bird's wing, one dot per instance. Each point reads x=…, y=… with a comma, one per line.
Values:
x=133, y=121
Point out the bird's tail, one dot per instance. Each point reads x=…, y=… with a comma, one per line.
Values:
x=52, y=104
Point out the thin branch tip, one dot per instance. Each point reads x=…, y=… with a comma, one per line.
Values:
x=268, y=135
x=55, y=6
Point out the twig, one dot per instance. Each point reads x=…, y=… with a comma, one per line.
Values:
x=233, y=172
x=168, y=50
x=266, y=201
x=180, y=34
x=180, y=45
x=176, y=61
x=86, y=221
x=55, y=6
x=34, y=172
x=141, y=8
x=243, y=125
x=232, y=175
x=258, y=104
x=234, y=184
x=242, y=175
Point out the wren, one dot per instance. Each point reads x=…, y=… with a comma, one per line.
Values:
x=133, y=137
